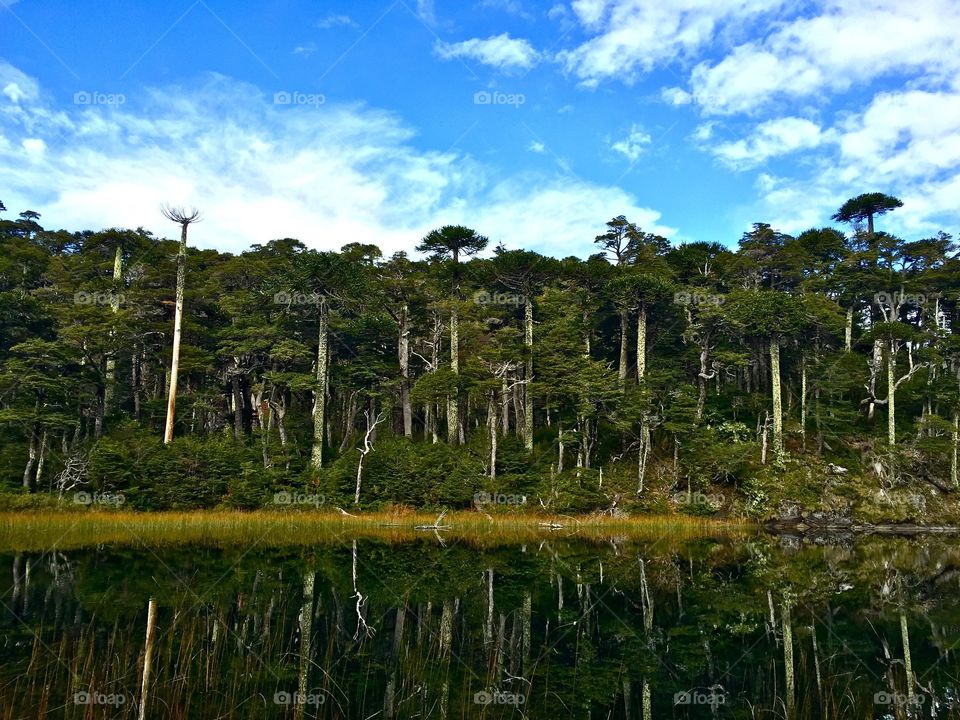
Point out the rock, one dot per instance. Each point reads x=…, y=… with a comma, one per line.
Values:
x=836, y=469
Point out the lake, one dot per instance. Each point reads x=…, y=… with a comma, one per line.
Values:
x=439, y=626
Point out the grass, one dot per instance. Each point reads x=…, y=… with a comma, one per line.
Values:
x=28, y=530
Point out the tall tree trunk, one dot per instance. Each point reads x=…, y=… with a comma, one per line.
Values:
x=848, y=331
x=404, y=351
x=320, y=394
x=177, y=330
x=803, y=401
x=492, y=422
x=109, y=392
x=622, y=370
x=31, y=457
x=891, y=394
x=956, y=445
x=777, y=401
x=453, y=402
x=527, y=389
x=237, y=391
x=641, y=344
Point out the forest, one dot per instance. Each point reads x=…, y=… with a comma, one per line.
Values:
x=748, y=379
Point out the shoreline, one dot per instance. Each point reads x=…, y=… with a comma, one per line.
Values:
x=24, y=530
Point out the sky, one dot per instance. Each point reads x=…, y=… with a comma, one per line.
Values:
x=532, y=122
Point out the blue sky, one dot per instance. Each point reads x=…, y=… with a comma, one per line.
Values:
x=534, y=122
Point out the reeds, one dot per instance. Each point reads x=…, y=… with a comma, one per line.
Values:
x=40, y=530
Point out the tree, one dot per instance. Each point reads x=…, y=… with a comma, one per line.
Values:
x=866, y=207
x=184, y=218
x=452, y=241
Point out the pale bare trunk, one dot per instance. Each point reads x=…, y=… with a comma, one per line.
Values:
x=177, y=331
x=115, y=306
x=527, y=389
x=453, y=402
x=778, y=449
x=405, y=371
x=320, y=394
x=891, y=394
x=622, y=370
x=848, y=330
x=641, y=344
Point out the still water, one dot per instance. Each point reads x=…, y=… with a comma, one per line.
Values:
x=746, y=627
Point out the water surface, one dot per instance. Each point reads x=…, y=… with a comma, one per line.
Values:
x=746, y=627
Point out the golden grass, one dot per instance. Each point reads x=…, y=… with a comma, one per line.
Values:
x=38, y=530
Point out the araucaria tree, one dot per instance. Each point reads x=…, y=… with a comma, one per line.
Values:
x=750, y=369
x=184, y=218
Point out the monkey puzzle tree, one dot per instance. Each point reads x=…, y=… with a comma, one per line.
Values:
x=866, y=207
x=318, y=281
x=450, y=242
x=184, y=218
x=768, y=315
x=523, y=271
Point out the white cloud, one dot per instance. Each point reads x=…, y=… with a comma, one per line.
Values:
x=634, y=36
x=500, y=51
x=34, y=146
x=331, y=21
x=770, y=139
x=560, y=218
x=259, y=171
x=676, y=96
x=832, y=50
x=305, y=50
x=633, y=145
x=536, y=146
x=426, y=11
